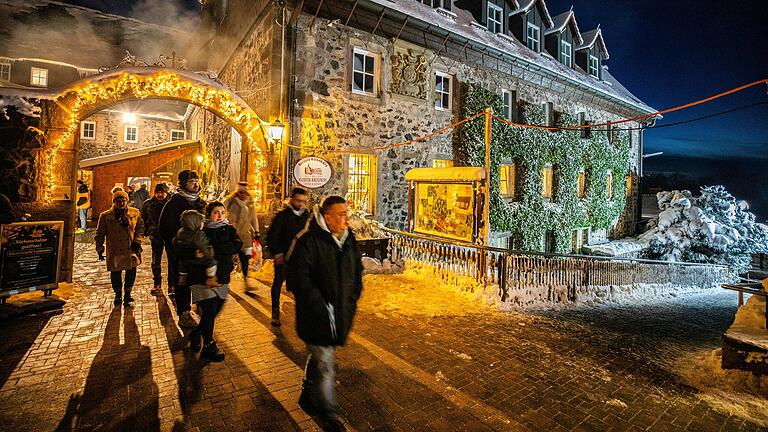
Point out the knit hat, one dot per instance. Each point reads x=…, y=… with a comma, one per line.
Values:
x=186, y=176
x=119, y=194
x=161, y=187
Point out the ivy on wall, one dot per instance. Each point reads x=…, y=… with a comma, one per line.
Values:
x=530, y=216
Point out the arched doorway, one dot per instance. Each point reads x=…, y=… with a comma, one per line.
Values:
x=58, y=164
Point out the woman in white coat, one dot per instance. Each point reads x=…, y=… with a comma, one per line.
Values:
x=242, y=215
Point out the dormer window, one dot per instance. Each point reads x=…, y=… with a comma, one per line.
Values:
x=444, y=4
x=566, y=56
x=533, y=38
x=495, y=14
x=594, y=66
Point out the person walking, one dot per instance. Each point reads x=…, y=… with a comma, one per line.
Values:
x=83, y=204
x=121, y=227
x=226, y=243
x=187, y=197
x=242, y=215
x=140, y=196
x=150, y=212
x=286, y=224
x=325, y=275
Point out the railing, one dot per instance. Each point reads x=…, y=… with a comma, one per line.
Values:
x=530, y=277
x=751, y=288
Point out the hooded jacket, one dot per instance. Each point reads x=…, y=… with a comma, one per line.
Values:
x=226, y=243
x=284, y=228
x=169, y=222
x=325, y=275
x=150, y=212
x=242, y=215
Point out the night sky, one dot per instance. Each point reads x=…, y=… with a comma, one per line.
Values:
x=669, y=53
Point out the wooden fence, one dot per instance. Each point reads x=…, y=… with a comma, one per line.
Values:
x=523, y=277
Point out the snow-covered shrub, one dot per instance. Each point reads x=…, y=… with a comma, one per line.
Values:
x=712, y=228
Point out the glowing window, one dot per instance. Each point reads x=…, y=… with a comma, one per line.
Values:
x=39, y=77
x=609, y=186
x=361, y=182
x=131, y=134
x=546, y=182
x=507, y=178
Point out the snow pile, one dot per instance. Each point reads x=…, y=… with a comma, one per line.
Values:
x=364, y=226
x=713, y=228
x=732, y=392
x=21, y=104
x=751, y=316
x=622, y=247
x=374, y=266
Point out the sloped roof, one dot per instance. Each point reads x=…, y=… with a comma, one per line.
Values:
x=526, y=5
x=462, y=27
x=116, y=157
x=590, y=38
x=561, y=21
x=88, y=38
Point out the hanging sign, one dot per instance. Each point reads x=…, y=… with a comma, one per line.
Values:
x=29, y=256
x=312, y=172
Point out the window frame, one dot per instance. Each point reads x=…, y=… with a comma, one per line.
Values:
x=136, y=134
x=440, y=94
x=508, y=105
x=498, y=25
x=509, y=181
x=581, y=184
x=34, y=73
x=548, y=181
x=371, y=176
x=528, y=37
x=375, y=74
x=569, y=53
x=184, y=134
x=4, y=63
x=596, y=66
x=82, y=130
x=609, y=185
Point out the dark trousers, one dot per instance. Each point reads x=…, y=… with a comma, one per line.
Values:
x=117, y=282
x=183, y=298
x=277, y=286
x=157, y=258
x=244, y=258
x=208, y=310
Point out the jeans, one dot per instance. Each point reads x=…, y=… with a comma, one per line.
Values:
x=83, y=218
x=157, y=258
x=244, y=258
x=319, y=377
x=183, y=294
x=208, y=310
x=117, y=282
x=277, y=286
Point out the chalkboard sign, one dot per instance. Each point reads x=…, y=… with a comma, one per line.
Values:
x=29, y=256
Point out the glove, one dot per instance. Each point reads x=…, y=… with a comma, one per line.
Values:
x=101, y=256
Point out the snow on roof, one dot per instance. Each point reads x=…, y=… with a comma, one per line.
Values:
x=589, y=39
x=116, y=157
x=561, y=21
x=526, y=5
x=67, y=33
x=453, y=174
x=463, y=28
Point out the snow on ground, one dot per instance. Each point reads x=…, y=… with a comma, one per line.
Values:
x=615, y=248
x=732, y=392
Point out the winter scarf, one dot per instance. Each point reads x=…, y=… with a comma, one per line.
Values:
x=190, y=196
x=121, y=215
x=217, y=224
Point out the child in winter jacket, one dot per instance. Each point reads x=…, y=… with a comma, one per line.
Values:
x=195, y=256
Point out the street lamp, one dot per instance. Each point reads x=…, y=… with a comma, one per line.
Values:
x=273, y=132
x=200, y=159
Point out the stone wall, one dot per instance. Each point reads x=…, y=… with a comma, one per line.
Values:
x=329, y=115
x=110, y=134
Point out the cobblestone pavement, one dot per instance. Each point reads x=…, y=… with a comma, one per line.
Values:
x=91, y=366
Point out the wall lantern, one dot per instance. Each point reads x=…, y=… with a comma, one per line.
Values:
x=273, y=132
x=129, y=118
x=200, y=159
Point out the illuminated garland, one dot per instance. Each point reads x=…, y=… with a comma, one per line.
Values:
x=87, y=97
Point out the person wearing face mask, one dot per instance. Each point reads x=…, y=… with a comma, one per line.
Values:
x=325, y=274
x=121, y=227
x=242, y=215
x=187, y=197
x=286, y=224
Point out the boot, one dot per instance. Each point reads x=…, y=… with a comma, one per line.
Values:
x=156, y=289
x=212, y=352
x=212, y=282
x=305, y=399
x=195, y=340
x=276, y=317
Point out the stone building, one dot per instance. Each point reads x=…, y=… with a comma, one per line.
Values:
x=351, y=75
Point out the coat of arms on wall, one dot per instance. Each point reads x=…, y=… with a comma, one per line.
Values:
x=409, y=74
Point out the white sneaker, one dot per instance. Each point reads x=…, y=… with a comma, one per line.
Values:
x=187, y=320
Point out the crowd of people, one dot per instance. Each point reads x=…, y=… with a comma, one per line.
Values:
x=314, y=252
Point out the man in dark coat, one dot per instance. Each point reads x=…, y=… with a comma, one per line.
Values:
x=187, y=197
x=150, y=212
x=140, y=196
x=325, y=275
x=286, y=224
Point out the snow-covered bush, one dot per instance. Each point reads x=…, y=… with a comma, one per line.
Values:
x=712, y=228
x=364, y=226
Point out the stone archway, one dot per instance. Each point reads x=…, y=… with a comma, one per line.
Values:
x=63, y=111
